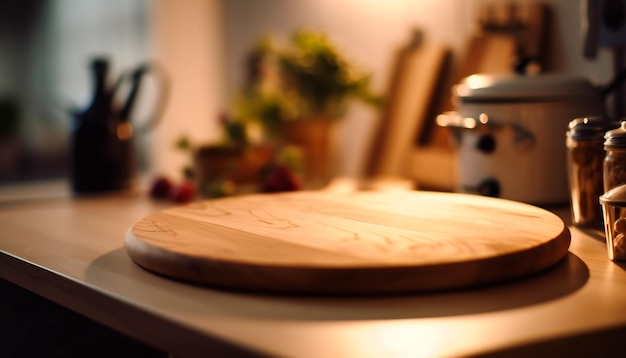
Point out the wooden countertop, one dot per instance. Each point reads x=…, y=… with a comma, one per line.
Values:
x=70, y=250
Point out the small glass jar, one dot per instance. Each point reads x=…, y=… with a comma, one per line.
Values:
x=585, y=157
x=614, y=210
x=614, y=172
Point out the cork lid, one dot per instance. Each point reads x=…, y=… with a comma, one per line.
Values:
x=590, y=128
x=616, y=137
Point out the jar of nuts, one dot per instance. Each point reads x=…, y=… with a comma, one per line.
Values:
x=585, y=156
x=615, y=159
x=614, y=211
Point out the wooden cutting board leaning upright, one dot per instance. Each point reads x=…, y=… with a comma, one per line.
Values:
x=353, y=243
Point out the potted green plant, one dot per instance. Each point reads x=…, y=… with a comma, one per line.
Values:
x=297, y=92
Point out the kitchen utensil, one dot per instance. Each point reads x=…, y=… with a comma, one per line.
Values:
x=102, y=155
x=509, y=131
x=357, y=243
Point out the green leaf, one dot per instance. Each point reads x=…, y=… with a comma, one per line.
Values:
x=183, y=143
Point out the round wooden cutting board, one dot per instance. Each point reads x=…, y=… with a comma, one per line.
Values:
x=357, y=243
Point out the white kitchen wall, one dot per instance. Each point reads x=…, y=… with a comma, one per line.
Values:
x=188, y=42
x=369, y=30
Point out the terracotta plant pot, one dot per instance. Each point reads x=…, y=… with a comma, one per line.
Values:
x=313, y=136
x=241, y=165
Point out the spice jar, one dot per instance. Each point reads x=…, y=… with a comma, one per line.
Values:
x=585, y=157
x=615, y=158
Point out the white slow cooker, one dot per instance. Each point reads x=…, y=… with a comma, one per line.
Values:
x=510, y=132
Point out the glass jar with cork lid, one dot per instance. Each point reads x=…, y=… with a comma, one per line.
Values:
x=585, y=158
x=614, y=172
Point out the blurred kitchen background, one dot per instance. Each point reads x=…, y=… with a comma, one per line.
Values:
x=46, y=47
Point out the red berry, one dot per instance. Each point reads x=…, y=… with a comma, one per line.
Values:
x=183, y=193
x=280, y=178
x=161, y=188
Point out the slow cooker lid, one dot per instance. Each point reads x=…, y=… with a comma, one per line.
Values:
x=520, y=88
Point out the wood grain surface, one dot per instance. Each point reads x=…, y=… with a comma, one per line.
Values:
x=417, y=72
x=353, y=243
